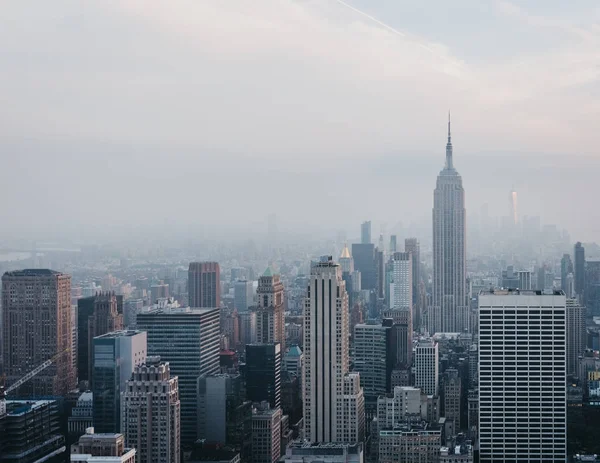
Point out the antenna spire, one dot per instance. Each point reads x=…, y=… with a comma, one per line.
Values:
x=449, y=147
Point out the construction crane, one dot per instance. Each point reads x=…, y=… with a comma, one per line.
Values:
x=32, y=373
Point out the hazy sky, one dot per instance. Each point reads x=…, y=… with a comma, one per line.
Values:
x=215, y=113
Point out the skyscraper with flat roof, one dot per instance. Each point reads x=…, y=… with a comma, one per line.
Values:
x=449, y=247
x=204, y=286
x=263, y=373
x=365, y=232
x=189, y=340
x=579, y=267
x=326, y=346
x=115, y=356
x=37, y=326
x=427, y=367
x=522, y=376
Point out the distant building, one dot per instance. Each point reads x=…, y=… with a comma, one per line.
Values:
x=364, y=262
x=37, y=326
x=31, y=432
x=401, y=286
x=247, y=321
x=524, y=279
x=404, y=404
x=270, y=319
x=174, y=334
x=579, y=267
x=412, y=246
x=151, y=413
x=305, y=452
x=531, y=386
x=204, y=286
x=266, y=434
x=102, y=448
x=365, y=232
x=576, y=334
x=346, y=261
x=243, y=291
x=263, y=373
x=115, y=357
x=105, y=318
x=158, y=291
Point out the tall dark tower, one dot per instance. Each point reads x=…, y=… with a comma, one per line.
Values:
x=579, y=270
x=449, y=312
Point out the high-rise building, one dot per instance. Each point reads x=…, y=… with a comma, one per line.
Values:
x=266, y=434
x=247, y=327
x=365, y=232
x=158, y=291
x=326, y=345
x=115, y=355
x=401, y=331
x=412, y=246
x=576, y=341
x=591, y=291
x=270, y=322
x=452, y=396
x=427, y=367
x=525, y=279
x=364, y=262
x=346, y=261
x=82, y=416
x=522, y=376
x=579, y=267
x=85, y=309
x=204, y=286
x=306, y=452
x=372, y=359
x=189, y=340
x=102, y=448
x=566, y=267
x=402, y=405
x=263, y=373
x=393, y=244
x=243, y=295
x=410, y=443
x=37, y=326
x=401, y=287
x=449, y=247
x=104, y=319
x=224, y=416
x=151, y=413
x=353, y=409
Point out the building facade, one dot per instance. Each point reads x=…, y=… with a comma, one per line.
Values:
x=115, y=356
x=204, y=285
x=263, y=373
x=579, y=270
x=326, y=346
x=522, y=376
x=266, y=434
x=102, y=448
x=243, y=295
x=576, y=334
x=427, y=367
x=449, y=247
x=371, y=358
x=37, y=326
x=270, y=319
x=189, y=340
x=151, y=413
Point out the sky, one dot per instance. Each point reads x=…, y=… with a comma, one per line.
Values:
x=213, y=114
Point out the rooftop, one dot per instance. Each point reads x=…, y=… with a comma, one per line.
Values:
x=521, y=292
x=294, y=351
x=32, y=272
x=20, y=407
x=119, y=334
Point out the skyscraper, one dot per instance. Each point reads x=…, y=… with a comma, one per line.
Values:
x=449, y=247
x=37, y=326
x=104, y=319
x=579, y=268
x=326, y=345
x=263, y=373
x=115, y=355
x=151, y=413
x=364, y=261
x=427, y=367
x=270, y=322
x=243, y=295
x=365, y=232
x=401, y=287
x=412, y=246
x=204, y=287
x=522, y=376
x=346, y=261
x=566, y=267
x=575, y=334
x=189, y=340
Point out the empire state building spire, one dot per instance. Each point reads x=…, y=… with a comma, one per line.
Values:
x=449, y=147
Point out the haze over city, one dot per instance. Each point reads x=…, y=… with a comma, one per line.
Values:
x=212, y=115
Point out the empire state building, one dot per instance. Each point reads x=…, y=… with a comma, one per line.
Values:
x=449, y=312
